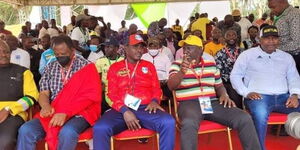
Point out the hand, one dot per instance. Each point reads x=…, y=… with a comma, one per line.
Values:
x=254, y=96
x=46, y=111
x=292, y=102
x=226, y=101
x=185, y=64
x=58, y=119
x=131, y=121
x=3, y=115
x=152, y=107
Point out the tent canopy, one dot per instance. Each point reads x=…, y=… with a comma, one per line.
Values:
x=87, y=2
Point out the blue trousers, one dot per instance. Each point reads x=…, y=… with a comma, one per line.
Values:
x=261, y=109
x=32, y=131
x=112, y=123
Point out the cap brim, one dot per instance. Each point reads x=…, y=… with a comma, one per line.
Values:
x=270, y=34
x=181, y=43
x=138, y=42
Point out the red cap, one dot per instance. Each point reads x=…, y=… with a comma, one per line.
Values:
x=135, y=39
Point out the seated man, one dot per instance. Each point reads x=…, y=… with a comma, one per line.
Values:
x=134, y=89
x=267, y=77
x=160, y=61
x=70, y=99
x=17, y=93
x=201, y=95
x=111, y=47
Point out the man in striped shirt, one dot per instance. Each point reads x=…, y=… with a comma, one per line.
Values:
x=196, y=79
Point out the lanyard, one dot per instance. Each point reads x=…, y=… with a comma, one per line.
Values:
x=84, y=34
x=200, y=75
x=233, y=57
x=132, y=75
x=64, y=77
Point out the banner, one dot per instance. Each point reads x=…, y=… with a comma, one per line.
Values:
x=148, y=12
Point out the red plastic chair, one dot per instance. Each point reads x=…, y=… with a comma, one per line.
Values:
x=205, y=125
x=83, y=137
x=277, y=119
x=130, y=135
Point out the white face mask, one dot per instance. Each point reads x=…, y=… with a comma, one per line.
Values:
x=153, y=52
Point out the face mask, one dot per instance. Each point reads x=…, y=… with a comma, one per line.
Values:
x=93, y=48
x=63, y=60
x=153, y=52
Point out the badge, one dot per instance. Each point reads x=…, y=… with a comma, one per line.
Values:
x=144, y=70
x=18, y=57
x=205, y=105
x=122, y=72
x=132, y=102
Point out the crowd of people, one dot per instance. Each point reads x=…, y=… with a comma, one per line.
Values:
x=89, y=75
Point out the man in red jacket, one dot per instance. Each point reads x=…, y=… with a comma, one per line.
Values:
x=70, y=98
x=134, y=89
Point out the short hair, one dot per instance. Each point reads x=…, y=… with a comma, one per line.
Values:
x=254, y=27
x=62, y=39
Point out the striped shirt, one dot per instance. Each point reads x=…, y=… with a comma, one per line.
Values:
x=190, y=88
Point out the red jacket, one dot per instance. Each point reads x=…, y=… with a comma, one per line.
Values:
x=145, y=83
x=80, y=96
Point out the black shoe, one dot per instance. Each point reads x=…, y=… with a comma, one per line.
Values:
x=143, y=140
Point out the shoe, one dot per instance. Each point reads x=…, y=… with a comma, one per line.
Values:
x=143, y=140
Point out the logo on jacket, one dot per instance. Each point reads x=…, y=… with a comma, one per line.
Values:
x=144, y=70
x=123, y=72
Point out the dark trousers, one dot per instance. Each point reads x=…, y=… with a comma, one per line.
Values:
x=112, y=123
x=9, y=131
x=297, y=61
x=238, y=99
x=190, y=115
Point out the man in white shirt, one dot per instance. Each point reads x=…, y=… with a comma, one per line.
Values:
x=44, y=29
x=268, y=79
x=71, y=26
x=243, y=22
x=80, y=35
x=123, y=28
x=160, y=60
x=18, y=55
x=53, y=30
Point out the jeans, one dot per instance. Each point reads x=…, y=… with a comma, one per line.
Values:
x=261, y=109
x=190, y=115
x=32, y=131
x=112, y=123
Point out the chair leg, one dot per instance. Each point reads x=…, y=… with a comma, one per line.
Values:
x=278, y=130
x=157, y=138
x=169, y=105
x=111, y=143
x=46, y=146
x=229, y=139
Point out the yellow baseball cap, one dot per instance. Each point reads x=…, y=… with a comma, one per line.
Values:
x=191, y=40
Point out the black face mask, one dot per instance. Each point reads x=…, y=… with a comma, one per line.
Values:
x=63, y=60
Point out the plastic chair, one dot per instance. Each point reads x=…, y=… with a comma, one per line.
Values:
x=130, y=135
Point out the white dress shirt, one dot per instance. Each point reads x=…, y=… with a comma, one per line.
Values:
x=260, y=72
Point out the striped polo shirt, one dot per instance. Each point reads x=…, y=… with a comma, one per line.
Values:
x=189, y=88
